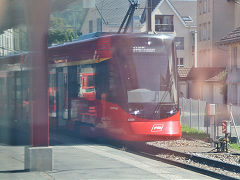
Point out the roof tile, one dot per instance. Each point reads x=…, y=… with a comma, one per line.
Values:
x=183, y=72
x=232, y=37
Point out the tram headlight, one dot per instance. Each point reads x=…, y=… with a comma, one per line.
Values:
x=136, y=112
x=172, y=111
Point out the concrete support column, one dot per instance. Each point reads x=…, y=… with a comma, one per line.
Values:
x=39, y=156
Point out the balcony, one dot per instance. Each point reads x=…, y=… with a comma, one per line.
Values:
x=164, y=28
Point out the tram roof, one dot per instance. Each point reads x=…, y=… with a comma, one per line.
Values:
x=96, y=35
x=101, y=34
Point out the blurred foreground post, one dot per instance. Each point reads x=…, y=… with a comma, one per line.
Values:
x=39, y=156
x=212, y=114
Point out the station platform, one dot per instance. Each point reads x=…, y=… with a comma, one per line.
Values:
x=90, y=161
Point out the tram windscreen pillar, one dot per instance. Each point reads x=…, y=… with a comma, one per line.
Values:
x=149, y=15
x=37, y=18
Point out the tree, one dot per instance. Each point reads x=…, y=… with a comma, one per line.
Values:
x=65, y=25
x=59, y=32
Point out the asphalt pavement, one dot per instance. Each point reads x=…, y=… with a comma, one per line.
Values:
x=76, y=160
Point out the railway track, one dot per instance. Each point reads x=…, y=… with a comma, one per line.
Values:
x=209, y=167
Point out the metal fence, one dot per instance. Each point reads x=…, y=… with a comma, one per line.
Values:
x=236, y=114
x=194, y=114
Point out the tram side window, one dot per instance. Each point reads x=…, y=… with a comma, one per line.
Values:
x=73, y=81
x=25, y=87
x=108, y=82
x=52, y=92
x=114, y=84
x=91, y=81
x=86, y=81
x=3, y=98
x=11, y=92
x=2, y=88
x=101, y=79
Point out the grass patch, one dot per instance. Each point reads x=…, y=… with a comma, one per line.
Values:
x=235, y=146
x=194, y=133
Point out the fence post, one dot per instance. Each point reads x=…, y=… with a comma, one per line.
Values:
x=190, y=112
x=198, y=114
x=212, y=115
x=182, y=109
x=233, y=121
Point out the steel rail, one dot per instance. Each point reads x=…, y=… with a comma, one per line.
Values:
x=199, y=159
x=187, y=166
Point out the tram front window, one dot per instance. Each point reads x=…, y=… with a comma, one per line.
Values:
x=150, y=79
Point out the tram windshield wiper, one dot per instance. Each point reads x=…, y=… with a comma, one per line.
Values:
x=157, y=109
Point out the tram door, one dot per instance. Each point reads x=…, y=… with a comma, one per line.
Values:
x=3, y=95
x=62, y=96
x=11, y=91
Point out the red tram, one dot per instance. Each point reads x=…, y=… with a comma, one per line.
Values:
x=123, y=86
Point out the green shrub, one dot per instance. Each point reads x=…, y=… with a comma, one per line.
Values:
x=194, y=133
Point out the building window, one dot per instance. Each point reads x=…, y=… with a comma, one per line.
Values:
x=99, y=25
x=200, y=7
x=164, y=23
x=179, y=41
x=193, y=42
x=10, y=43
x=187, y=19
x=15, y=44
x=90, y=26
x=238, y=94
x=234, y=94
x=209, y=5
x=234, y=57
x=204, y=32
x=209, y=30
x=204, y=6
x=200, y=32
x=180, y=62
x=1, y=46
x=7, y=42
